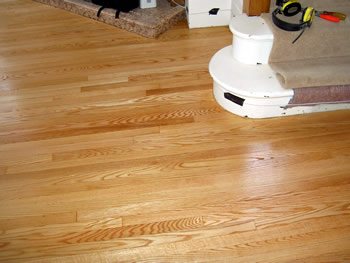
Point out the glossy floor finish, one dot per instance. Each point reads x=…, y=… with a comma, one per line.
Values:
x=112, y=149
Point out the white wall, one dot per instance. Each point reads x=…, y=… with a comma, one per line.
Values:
x=237, y=7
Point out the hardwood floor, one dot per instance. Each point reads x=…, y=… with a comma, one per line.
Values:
x=112, y=149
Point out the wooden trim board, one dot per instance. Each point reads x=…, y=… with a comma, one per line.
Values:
x=256, y=7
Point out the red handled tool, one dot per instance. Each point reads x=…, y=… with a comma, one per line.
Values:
x=330, y=16
x=336, y=14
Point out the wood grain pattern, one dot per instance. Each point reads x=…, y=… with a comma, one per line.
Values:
x=113, y=149
x=255, y=7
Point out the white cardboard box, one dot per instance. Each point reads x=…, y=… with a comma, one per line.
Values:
x=148, y=3
x=206, y=13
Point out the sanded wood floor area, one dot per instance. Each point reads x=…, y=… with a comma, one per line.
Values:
x=112, y=149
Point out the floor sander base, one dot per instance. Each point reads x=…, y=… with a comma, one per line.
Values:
x=254, y=91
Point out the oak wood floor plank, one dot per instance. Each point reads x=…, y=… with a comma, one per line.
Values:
x=172, y=198
x=117, y=238
x=338, y=254
x=250, y=246
x=37, y=220
x=214, y=161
